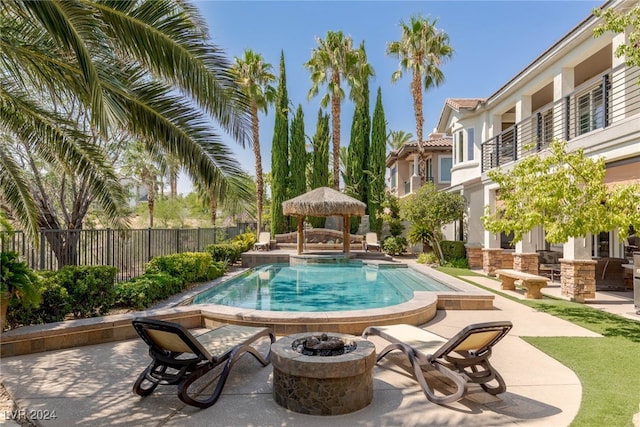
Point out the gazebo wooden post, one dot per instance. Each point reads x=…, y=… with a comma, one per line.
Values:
x=346, y=234
x=300, y=234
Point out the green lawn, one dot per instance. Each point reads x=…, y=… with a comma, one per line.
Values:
x=608, y=367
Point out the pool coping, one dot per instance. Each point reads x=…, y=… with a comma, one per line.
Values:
x=74, y=333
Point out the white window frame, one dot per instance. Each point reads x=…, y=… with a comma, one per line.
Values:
x=471, y=143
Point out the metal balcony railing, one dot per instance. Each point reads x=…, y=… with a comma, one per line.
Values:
x=595, y=104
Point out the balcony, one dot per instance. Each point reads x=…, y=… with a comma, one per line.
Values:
x=596, y=104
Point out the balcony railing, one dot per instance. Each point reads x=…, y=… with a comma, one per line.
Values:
x=596, y=104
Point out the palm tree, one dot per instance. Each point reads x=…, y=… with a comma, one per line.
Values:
x=397, y=138
x=147, y=67
x=422, y=50
x=255, y=77
x=332, y=61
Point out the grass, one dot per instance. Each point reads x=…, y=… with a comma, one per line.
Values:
x=607, y=367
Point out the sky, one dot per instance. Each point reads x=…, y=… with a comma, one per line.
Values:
x=492, y=42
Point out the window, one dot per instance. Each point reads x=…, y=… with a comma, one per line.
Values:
x=590, y=108
x=445, y=169
x=470, y=143
x=428, y=170
x=547, y=127
x=460, y=147
x=393, y=177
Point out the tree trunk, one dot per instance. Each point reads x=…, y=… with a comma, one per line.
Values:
x=416, y=91
x=335, y=119
x=258, y=156
x=150, y=203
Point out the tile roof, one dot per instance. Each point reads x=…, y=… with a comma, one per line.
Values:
x=464, y=103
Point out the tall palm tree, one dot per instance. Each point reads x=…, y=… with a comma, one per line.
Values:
x=397, y=138
x=255, y=77
x=146, y=66
x=332, y=61
x=421, y=50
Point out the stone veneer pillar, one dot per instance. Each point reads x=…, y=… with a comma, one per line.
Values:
x=526, y=262
x=578, y=279
x=474, y=256
x=491, y=260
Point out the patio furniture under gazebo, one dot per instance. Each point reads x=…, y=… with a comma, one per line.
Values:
x=324, y=201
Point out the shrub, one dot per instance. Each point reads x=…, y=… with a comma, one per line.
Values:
x=452, y=249
x=189, y=267
x=428, y=258
x=91, y=288
x=457, y=263
x=245, y=241
x=224, y=252
x=53, y=308
x=395, y=245
x=140, y=292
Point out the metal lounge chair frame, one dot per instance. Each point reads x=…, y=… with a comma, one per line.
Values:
x=181, y=358
x=462, y=359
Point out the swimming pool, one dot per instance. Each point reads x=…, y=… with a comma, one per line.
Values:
x=320, y=287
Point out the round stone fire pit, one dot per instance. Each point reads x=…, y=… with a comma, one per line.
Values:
x=334, y=377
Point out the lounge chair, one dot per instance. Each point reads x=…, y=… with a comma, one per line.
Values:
x=181, y=358
x=462, y=359
x=371, y=242
x=264, y=241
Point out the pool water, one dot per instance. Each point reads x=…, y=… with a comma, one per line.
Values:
x=319, y=287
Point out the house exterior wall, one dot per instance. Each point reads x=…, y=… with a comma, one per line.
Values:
x=578, y=91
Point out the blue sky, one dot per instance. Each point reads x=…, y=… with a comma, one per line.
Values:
x=492, y=42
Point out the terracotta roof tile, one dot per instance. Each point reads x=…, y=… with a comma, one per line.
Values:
x=464, y=103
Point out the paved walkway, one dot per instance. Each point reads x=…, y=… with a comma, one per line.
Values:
x=92, y=385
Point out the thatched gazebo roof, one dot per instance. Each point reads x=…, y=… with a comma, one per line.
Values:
x=324, y=201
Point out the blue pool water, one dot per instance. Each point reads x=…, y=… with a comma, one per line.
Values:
x=319, y=287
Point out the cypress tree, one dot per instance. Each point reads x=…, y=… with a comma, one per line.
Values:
x=297, y=163
x=320, y=172
x=280, y=154
x=377, y=165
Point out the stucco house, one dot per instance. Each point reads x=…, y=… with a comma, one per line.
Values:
x=577, y=90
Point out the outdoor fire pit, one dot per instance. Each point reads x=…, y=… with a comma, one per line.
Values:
x=323, y=373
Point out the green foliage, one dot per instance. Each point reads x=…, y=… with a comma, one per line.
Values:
x=565, y=194
x=428, y=258
x=90, y=288
x=419, y=233
x=54, y=307
x=320, y=172
x=619, y=22
x=17, y=280
x=189, y=267
x=395, y=245
x=391, y=214
x=245, y=241
x=170, y=212
x=453, y=249
x=224, y=252
x=377, y=166
x=432, y=209
x=297, y=163
x=280, y=154
x=457, y=263
x=140, y=292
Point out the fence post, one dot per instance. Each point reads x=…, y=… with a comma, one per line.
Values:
x=177, y=240
x=149, y=245
x=198, y=240
x=109, y=238
x=42, y=249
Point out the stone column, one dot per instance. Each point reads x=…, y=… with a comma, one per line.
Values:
x=578, y=279
x=578, y=270
x=474, y=256
x=526, y=262
x=491, y=260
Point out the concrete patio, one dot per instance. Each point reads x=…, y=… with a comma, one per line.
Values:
x=91, y=385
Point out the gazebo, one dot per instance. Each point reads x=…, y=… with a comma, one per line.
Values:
x=324, y=201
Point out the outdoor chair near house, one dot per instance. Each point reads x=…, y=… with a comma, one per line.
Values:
x=180, y=358
x=461, y=360
x=371, y=242
x=264, y=242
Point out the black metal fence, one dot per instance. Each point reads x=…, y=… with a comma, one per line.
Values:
x=127, y=250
